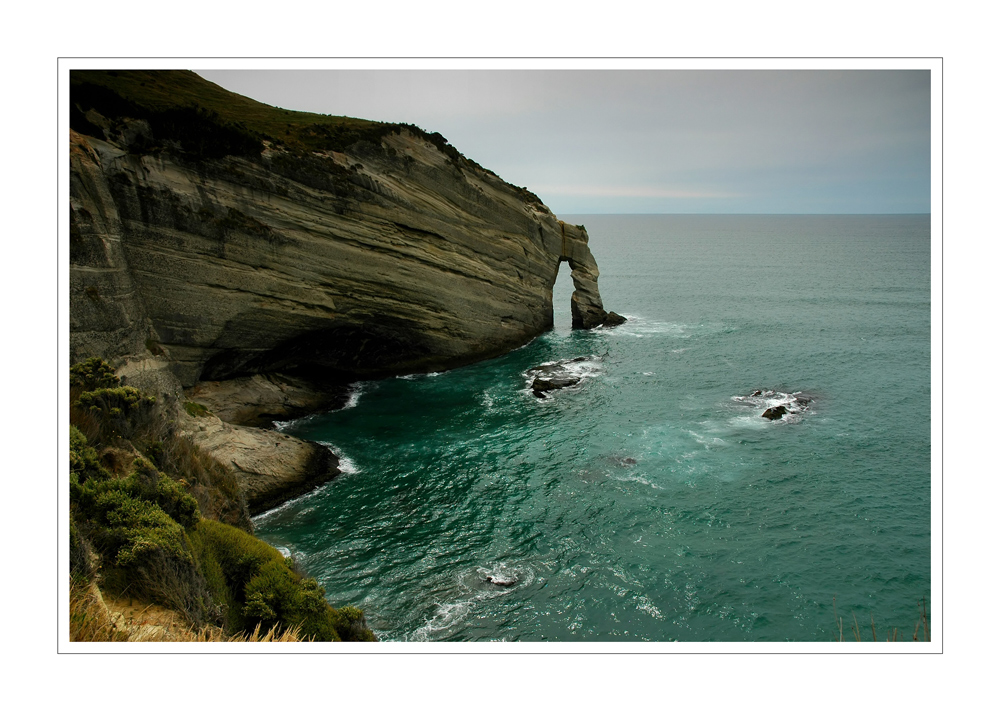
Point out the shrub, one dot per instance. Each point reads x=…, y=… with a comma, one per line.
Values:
x=115, y=402
x=83, y=462
x=264, y=591
x=132, y=527
x=92, y=374
x=195, y=409
x=120, y=412
x=152, y=485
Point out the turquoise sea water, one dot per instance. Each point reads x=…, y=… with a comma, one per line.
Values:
x=652, y=501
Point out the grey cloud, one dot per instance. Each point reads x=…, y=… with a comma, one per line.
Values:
x=655, y=140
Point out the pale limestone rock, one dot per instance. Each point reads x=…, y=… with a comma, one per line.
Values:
x=259, y=400
x=271, y=467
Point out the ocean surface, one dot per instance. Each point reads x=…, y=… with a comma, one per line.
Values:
x=652, y=501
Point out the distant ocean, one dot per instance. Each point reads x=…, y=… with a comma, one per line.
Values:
x=652, y=501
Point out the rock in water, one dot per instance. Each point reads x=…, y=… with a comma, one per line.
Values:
x=555, y=376
x=613, y=319
x=775, y=413
x=546, y=384
x=502, y=582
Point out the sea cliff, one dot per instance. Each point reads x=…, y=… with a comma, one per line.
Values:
x=286, y=254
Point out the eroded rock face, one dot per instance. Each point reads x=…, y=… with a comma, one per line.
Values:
x=383, y=259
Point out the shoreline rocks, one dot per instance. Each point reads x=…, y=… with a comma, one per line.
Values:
x=271, y=468
x=259, y=400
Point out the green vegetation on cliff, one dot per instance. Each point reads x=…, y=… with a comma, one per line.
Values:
x=138, y=499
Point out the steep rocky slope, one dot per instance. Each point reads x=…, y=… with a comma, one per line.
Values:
x=215, y=238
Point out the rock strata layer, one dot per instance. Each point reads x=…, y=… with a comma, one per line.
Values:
x=401, y=261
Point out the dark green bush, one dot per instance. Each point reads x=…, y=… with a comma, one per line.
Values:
x=195, y=409
x=152, y=485
x=115, y=402
x=92, y=374
x=131, y=527
x=120, y=412
x=83, y=462
x=263, y=589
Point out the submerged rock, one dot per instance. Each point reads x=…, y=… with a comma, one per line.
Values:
x=776, y=404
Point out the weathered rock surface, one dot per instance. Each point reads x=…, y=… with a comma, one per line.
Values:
x=775, y=413
x=271, y=467
x=613, y=319
x=259, y=400
x=383, y=259
x=555, y=376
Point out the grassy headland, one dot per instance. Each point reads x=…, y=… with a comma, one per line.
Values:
x=154, y=519
x=188, y=115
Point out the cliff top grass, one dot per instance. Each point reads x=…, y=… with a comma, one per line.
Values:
x=208, y=121
x=142, y=93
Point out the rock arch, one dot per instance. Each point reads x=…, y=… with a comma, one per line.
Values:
x=586, y=305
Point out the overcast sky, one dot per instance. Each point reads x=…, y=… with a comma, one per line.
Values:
x=654, y=141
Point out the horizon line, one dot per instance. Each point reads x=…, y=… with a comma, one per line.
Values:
x=760, y=214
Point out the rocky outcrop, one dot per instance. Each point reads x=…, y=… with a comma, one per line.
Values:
x=561, y=374
x=382, y=259
x=270, y=467
x=775, y=413
x=777, y=405
x=259, y=400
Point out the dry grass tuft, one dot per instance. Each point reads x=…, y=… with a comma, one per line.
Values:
x=272, y=635
x=89, y=618
x=92, y=619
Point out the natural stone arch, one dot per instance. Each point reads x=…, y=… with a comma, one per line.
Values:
x=586, y=305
